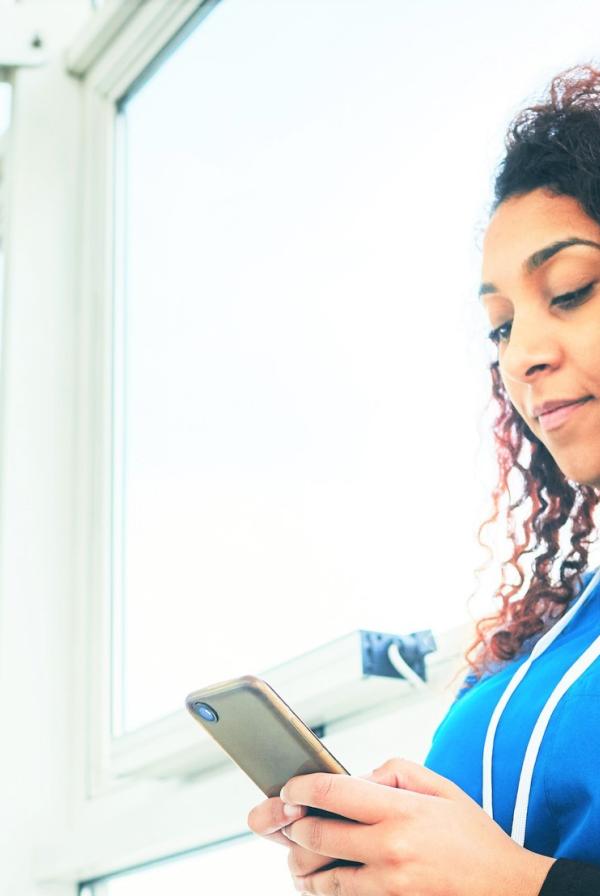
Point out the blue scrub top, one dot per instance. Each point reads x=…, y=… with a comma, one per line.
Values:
x=563, y=818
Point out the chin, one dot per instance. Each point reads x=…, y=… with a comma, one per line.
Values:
x=580, y=474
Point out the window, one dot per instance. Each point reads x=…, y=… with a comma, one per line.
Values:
x=206, y=870
x=289, y=322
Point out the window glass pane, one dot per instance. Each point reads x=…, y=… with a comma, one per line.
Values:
x=302, y=363
x=222, y=869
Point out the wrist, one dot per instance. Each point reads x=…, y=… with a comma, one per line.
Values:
x=534, y=869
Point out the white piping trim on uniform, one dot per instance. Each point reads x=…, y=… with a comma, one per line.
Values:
x=569, y=678
x=513, y=684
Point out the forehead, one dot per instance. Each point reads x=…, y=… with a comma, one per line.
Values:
x=523, y=224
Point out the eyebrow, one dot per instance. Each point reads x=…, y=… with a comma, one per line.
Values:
x=538, y=258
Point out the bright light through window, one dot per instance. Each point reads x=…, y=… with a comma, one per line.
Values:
x=301, y=360
x=225, y=868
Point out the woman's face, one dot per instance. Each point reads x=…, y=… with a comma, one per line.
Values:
x=548, y=342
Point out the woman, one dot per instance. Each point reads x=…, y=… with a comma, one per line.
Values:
x=508, y=803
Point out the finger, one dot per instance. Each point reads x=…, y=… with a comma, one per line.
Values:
x=302, y=861
x=269, y=817
x=354, y=798
x=344, y=881
x=407, y=775
x=346, y=840
x=277, y=837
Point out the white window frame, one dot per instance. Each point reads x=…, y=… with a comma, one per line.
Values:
x=137, y=798
x=117, y=49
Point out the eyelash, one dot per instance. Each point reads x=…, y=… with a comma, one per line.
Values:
x=569, y=298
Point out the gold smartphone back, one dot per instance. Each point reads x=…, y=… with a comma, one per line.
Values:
x=261, y=733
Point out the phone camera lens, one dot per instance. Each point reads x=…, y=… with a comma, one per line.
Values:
x=206, y=712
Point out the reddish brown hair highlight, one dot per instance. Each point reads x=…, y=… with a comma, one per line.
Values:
x=553, y=144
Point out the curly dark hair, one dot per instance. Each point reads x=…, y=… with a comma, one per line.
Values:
x=554, y=144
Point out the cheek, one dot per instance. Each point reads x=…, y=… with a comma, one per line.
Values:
x=587, y=358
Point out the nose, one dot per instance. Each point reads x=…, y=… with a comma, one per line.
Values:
x=533, y=349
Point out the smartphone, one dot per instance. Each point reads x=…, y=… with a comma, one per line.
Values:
x=262, y=734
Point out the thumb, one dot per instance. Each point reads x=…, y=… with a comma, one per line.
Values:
x=407, y=775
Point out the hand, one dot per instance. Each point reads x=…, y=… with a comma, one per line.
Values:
x=414, y=832
x=267, y=819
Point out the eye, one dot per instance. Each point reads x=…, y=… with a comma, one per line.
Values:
x=566, y=300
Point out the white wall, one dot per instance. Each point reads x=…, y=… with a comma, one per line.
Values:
x=37, y=452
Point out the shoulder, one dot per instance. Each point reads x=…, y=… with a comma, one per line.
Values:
x=473, y=679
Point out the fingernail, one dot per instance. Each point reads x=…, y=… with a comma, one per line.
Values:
x=292, y=811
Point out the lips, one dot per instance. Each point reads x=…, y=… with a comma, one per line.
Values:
x=547, y=406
